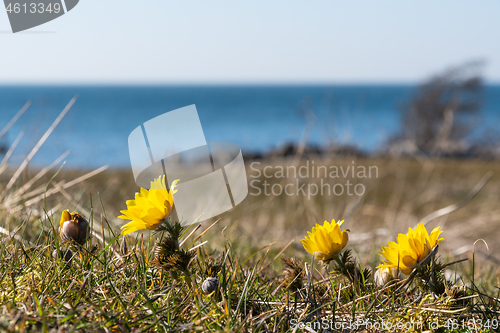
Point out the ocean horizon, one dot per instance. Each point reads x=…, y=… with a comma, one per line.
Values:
x=258, y=118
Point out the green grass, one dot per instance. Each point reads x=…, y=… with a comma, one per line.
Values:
x=124, y=291
x=267, y=282
x=112, y=284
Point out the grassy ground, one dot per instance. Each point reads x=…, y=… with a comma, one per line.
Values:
x=112, y=283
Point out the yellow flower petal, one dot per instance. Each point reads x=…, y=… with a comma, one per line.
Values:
x=410, y=249
x=149, y=208
x=325, y=241
x=65, y=216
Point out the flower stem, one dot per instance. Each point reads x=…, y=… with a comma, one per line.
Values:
x=191, y=285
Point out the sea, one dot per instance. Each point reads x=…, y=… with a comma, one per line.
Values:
x=258, y=118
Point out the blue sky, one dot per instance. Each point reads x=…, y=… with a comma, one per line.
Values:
x=258, y=41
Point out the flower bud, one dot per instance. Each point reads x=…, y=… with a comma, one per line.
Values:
x=64, y=254
x=384, y=275
x=209, y=285
x=74, y=227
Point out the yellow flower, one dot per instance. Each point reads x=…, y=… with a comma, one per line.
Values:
x=411, y=249
x=326, y=241
x=149, y=208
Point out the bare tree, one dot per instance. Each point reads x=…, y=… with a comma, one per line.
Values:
x=443, y=112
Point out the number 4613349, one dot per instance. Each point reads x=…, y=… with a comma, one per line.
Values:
x=33, y=8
